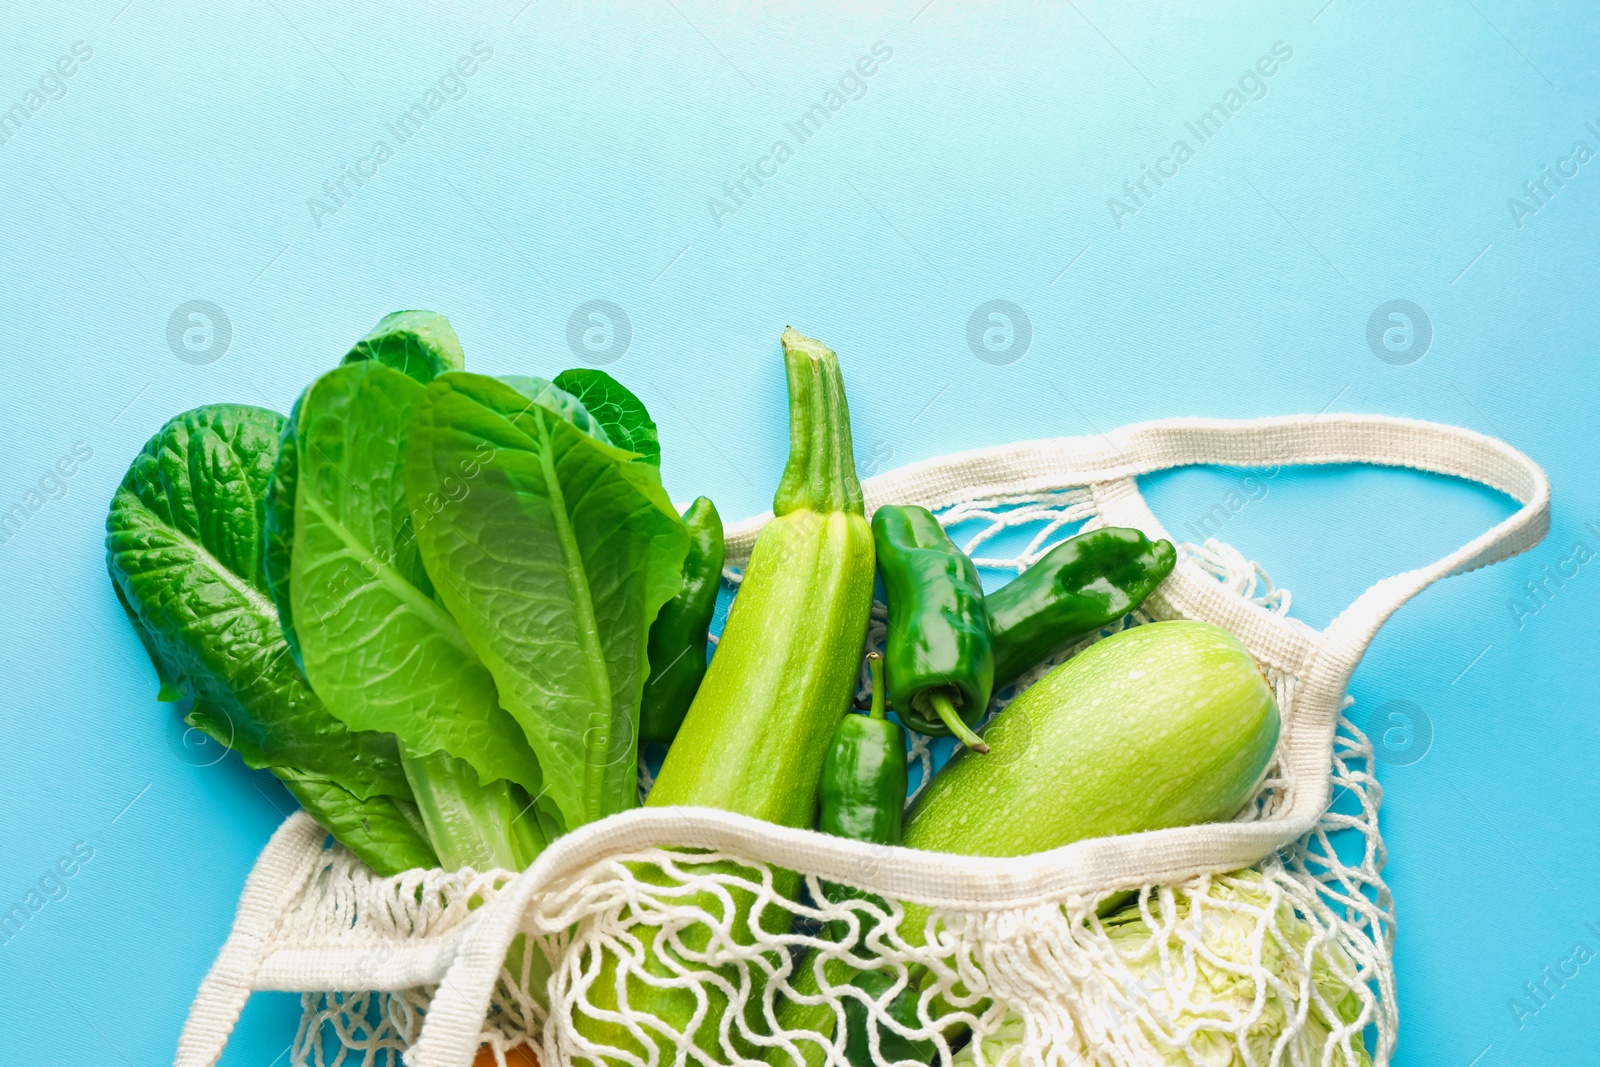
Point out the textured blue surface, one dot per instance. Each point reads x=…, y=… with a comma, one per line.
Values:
x=975, y=164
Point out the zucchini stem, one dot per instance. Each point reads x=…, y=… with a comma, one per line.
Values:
x=940, y=699
x=821, y=473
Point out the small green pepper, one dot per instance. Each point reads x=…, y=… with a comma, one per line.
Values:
x=863, y=787
x=678, y=639
x=892, y=1046
x=863, y=796
x=864, y=773
x=1082, y=584
x=941, y=665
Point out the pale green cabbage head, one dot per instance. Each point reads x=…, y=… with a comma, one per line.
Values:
x=1189, y=1008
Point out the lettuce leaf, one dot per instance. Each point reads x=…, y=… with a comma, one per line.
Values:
x=379, y=648
x=555, y=557
x=384, y=832
x=185, y=551
x=547, y=394
x=419, y=344
x=378, y=645
x=627, y=424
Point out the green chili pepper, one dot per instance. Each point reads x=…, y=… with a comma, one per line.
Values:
x=863, y=787
x=938, y=653
x=892, y=1047
x=678, y=636
x=1082, y=584
x=864, y=773
x=863, y=798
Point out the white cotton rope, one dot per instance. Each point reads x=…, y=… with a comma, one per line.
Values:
x=435, y=964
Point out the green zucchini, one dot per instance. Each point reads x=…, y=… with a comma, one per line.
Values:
x=1167, y=724
x=755, y=736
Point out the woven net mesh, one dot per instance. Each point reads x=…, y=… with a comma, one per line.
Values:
x=685, y=955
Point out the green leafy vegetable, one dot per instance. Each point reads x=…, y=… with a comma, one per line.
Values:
x=554, y=561
x=378, y=647
x=278, y=534
x=549, y=395
x=419, y=344
x=274, y=569
x=185, y=548
x=386, y=832
x=1211, y=965
x=627, y=423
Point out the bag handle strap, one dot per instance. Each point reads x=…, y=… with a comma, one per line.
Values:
x=1109, y=463
x=281, y=872
x=1368, y=439
x=1141, y=448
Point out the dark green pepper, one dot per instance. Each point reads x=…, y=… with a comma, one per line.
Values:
x=1082, y=584
x=892, y=1046
x=863, y=788
x=678, y=639
x=941, y=665
x=863, y=799
x=864, y=773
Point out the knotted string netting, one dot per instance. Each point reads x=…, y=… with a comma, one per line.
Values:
x=687, y=936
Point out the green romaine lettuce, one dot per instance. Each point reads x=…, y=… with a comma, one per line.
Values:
x=554, y=557
x=419, y=344
x=377, y=644
x=547, y=394
x=627, y=424
x=386, y=832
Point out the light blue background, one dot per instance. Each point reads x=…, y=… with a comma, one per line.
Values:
x=977, y=166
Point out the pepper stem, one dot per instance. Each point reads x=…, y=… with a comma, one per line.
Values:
x=875, y=668
x=940, y=699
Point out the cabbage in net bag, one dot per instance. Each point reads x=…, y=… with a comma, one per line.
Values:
x=1264, y=940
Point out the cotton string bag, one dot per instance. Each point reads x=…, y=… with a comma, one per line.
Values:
x=438, y=963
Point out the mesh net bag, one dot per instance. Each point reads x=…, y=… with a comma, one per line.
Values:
x=690, y=936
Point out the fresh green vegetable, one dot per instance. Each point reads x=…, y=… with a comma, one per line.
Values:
x=185, y=549
x=363, y=606
x=756, y=734
x=1009, y=1035
x=1217, y=982
x=277, y=533
x=864, y=773
x=940, y=664
x=863, y=786
x=553, y=551
x=1082, y=584
x=419, y=344
x=678, y=637
x=899, y=1005
x=863, y=798
x=386, y=833
x=1166, y=724
x=759, y=727
x=627, y=423
x=516, y=548
x=558, y=402
x=1223, y=991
